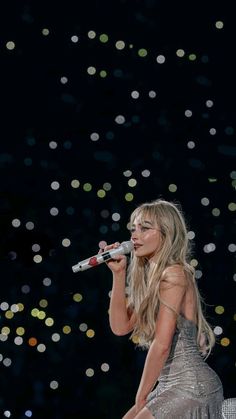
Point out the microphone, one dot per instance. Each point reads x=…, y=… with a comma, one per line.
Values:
x=123, y=249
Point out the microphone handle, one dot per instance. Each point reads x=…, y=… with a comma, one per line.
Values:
x=92, y=261
x=95, y=260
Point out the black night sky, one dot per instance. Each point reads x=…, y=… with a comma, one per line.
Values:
x=105, y=105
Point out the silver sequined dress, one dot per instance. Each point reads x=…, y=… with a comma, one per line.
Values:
x=187, y=387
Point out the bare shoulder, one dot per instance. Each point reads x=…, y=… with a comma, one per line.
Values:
x=174, y=275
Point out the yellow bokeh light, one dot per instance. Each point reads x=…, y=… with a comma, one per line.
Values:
x=172, y=187
x=41, y=315
x=90, y=333
x=20, y=331
x=34, y=312
x=9, y=314
x=129, y=197
x=219, y=309
x=87, y=187
x=132, y=182
x=45, y=31
x=225, y=341
x=120, y=45
x=180, y=53
x=66, y=329
x=89, y=372
x=103, y=38
x=49, y=322
x=103, y=73
x=5, y=330
x=10, y=45
x=142, y=52
x=194, y=262
x=20, y=306
x=192, y=57
x=37, y=258
x=75, y=183
x=91, y=34
x=232, y=206
x=77, y=297
x=43, y=303
x=101, y=193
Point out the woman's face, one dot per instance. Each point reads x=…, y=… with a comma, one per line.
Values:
x=146, y=237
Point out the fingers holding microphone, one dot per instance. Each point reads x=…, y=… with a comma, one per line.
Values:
x=118, y=262
x=114, y=253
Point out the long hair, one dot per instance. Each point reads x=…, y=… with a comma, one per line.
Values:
x=144, y=279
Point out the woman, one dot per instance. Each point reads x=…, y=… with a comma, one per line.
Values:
x=163, y=312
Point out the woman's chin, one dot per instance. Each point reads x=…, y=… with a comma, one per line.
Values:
x=140, y=253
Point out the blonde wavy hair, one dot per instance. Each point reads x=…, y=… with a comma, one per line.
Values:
x=144, y=279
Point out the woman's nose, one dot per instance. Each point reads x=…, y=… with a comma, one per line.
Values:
x=134, y=234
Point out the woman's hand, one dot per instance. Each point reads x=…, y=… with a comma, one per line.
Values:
x=119, y=262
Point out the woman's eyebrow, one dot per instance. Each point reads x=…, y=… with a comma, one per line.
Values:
x=147, y=222
x=143, y=222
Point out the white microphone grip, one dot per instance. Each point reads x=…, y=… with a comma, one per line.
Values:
x=95, y=260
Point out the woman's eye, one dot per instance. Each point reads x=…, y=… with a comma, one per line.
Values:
x=143, y=228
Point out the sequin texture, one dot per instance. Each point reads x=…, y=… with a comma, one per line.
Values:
x=188, y=388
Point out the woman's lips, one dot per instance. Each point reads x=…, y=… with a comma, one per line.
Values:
x=137, y=246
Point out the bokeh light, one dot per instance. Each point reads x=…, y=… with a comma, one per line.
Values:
x=105, y=108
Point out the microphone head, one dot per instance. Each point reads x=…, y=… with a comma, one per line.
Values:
x=127, y=246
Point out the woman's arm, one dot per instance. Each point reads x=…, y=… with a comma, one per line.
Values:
x=172, y=291
x=121, y=319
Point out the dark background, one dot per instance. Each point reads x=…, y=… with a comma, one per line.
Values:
x=36, y=109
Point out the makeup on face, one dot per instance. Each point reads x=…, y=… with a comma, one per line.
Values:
x=146, y=238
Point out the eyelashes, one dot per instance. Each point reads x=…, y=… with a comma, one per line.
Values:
x=142, y=229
